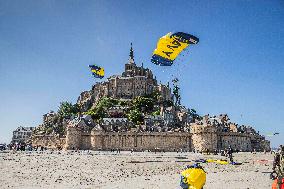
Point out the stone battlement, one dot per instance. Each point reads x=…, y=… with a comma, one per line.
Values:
x=199, y=140
x=195, y=128
x=167, y=126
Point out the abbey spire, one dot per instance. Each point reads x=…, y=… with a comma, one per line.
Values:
x=131, y=55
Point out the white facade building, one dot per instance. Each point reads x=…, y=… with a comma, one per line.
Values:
x=22, y=134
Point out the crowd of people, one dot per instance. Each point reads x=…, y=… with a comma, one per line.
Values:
x=22, y=146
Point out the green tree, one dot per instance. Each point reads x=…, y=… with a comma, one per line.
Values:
x=168, y=103
x=67, y=109
x=193, y=114
x=156, y=113
x=143, y=104
x=100, y=111
x=135, y=116
x=49, y=130
x=155, y=95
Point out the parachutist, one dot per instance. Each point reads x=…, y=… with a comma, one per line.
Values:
x=97, y=72
x=278, y=169
x=170, y=46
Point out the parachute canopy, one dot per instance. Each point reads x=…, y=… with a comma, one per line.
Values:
x=97, y=72
x=194, y=177
x=170, y=46
x=222, y=162
x=272, y=134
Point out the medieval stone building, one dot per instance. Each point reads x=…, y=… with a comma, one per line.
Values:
x=174, y=128
x=134, y=81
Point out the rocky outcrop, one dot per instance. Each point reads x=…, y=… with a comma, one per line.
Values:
x=85, y=101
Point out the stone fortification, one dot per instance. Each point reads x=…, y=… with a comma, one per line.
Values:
x=127, y=141
x=204, y=138
x=48, y=141
x=209, y=138
x=240, y=141
x=202, y=135
x=73, y=138
x=209, y=134
x=141, y=141
x=164, y=125
x=220, y=134
x=200, y=139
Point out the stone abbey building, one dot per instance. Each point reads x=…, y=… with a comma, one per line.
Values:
x=206, y=133
x=134, y=81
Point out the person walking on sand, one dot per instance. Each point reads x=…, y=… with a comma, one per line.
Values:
x=230, y=154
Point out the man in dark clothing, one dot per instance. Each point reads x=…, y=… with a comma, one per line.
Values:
x=230, y=154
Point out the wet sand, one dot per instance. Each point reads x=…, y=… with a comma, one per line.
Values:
x=138, y=170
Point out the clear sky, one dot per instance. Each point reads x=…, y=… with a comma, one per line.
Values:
x=237, y=67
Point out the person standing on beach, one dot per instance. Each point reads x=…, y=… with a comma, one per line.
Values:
x=230, y=154
x=278, y=169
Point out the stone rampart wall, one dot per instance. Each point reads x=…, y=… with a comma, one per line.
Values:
x=202, y=129
x=49, y=141
x=141, y=141
x=202, y=140
x=77, y=139
x=239, y=141
x=86, y=141
x=73, y=138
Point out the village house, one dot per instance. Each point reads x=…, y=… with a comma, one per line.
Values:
x=22, y=134
x=116, y=124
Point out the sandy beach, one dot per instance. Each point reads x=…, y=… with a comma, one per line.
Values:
x=104, y=170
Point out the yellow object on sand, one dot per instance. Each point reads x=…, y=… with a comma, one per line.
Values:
x=194, y=177
x=210, y=160
x=222, y=162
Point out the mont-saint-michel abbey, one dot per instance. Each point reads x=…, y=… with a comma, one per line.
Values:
x=132, y=111
x=195, y=102
x=134, y=81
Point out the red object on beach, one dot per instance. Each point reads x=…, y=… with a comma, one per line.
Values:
x=275, y=184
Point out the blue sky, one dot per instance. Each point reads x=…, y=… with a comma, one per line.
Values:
x=237, y=67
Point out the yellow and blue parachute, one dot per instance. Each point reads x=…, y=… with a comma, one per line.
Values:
x=193, y=177
x=272, y=134
x=170, y=46
x=97, y=72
